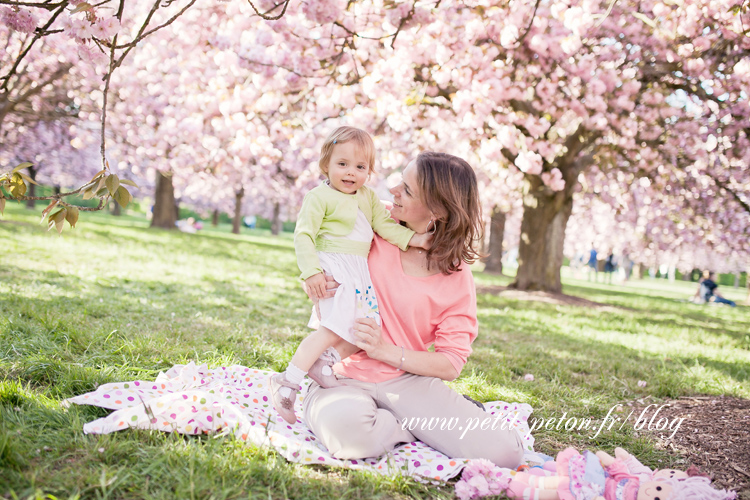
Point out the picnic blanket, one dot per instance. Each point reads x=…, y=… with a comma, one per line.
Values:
x=192, y=399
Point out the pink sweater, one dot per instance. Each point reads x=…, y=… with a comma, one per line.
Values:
x=416, y=313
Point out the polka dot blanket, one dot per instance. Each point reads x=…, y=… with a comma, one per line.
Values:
x=192, y=399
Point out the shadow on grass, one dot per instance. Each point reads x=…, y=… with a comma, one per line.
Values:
x=559, y=351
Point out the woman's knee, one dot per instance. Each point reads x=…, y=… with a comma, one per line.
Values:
x=342, y=420
x=503, y=449
x=508, y=452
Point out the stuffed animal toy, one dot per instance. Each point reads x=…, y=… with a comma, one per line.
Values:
x=599, y=476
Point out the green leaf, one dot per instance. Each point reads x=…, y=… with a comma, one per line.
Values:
x=72, y=216
x=123, y=197
x=48, y=209
x=80, y=7
x=112, y=182
x=98, y=174
x=58, y=219
x=23, y=165
x=27, y=178
x=17, y=186
x=129, y=183
x=102, y=184
x=102, y=192
x=88, y=194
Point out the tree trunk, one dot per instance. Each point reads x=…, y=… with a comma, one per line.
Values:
x=165, y=210
x=747, y=283
x=116, y=209
x=494, y=263
x=276, y=220
x=215, y=218
x=737, y=280
x=31, y=204
x=641, y=271
x=237, y=220
x=545, y=215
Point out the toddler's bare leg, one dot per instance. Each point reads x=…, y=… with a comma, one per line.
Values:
x=312, y=347
x=344, y=348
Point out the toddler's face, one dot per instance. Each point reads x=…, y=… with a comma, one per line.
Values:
x=348, y=170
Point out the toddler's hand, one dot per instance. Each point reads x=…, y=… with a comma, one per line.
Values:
x=423, y=240
x=316, y=286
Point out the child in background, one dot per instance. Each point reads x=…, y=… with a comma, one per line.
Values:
x=333, y=235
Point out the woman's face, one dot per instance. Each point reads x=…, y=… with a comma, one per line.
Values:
x=407, y=201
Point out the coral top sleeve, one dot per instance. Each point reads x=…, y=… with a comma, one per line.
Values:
x=416, y=313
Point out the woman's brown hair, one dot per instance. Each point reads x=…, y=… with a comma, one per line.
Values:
x=448, y=187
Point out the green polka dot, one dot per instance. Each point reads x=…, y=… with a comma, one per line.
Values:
x=203, y=401
x=134, y=418
x=126, y=386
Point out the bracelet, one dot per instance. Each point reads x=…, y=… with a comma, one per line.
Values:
x=402, y=359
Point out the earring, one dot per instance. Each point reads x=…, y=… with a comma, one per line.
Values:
x=427, y=229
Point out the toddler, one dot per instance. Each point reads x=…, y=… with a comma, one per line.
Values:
x=333, y=235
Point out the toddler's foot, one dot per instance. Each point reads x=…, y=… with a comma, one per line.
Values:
x=283, y=394
x=322, y=370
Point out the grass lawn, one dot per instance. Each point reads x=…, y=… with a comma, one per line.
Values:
x=113, y=301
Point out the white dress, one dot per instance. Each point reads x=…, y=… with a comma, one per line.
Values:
x=355, y=297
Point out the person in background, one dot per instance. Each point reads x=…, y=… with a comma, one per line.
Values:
x=706, y=291
x=592, y=263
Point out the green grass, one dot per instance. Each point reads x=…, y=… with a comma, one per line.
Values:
x=113, y=300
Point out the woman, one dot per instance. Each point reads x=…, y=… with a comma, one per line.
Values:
x=426, y=298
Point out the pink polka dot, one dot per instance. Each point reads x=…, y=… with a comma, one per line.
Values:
x=131, y=398
x=137, y=383
x=173, y=416
x=106, y=396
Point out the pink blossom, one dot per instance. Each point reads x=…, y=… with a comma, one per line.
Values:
x=92, y=54
x=529, y=162
x=529, y=377
x=321, y=11
x=479, y=483
x=21, y=20
x=80, y=29
x=464, y=491
x=480, y=467
x=508, y=36
x=480, y=478
x=105, y=29
x=641, y=383
x=554, y=180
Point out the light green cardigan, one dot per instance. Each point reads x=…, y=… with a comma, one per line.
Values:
x=327, y=211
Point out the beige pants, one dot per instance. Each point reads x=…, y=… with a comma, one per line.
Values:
x=364, y=419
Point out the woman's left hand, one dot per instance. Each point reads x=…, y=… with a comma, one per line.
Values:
x=369, y=337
